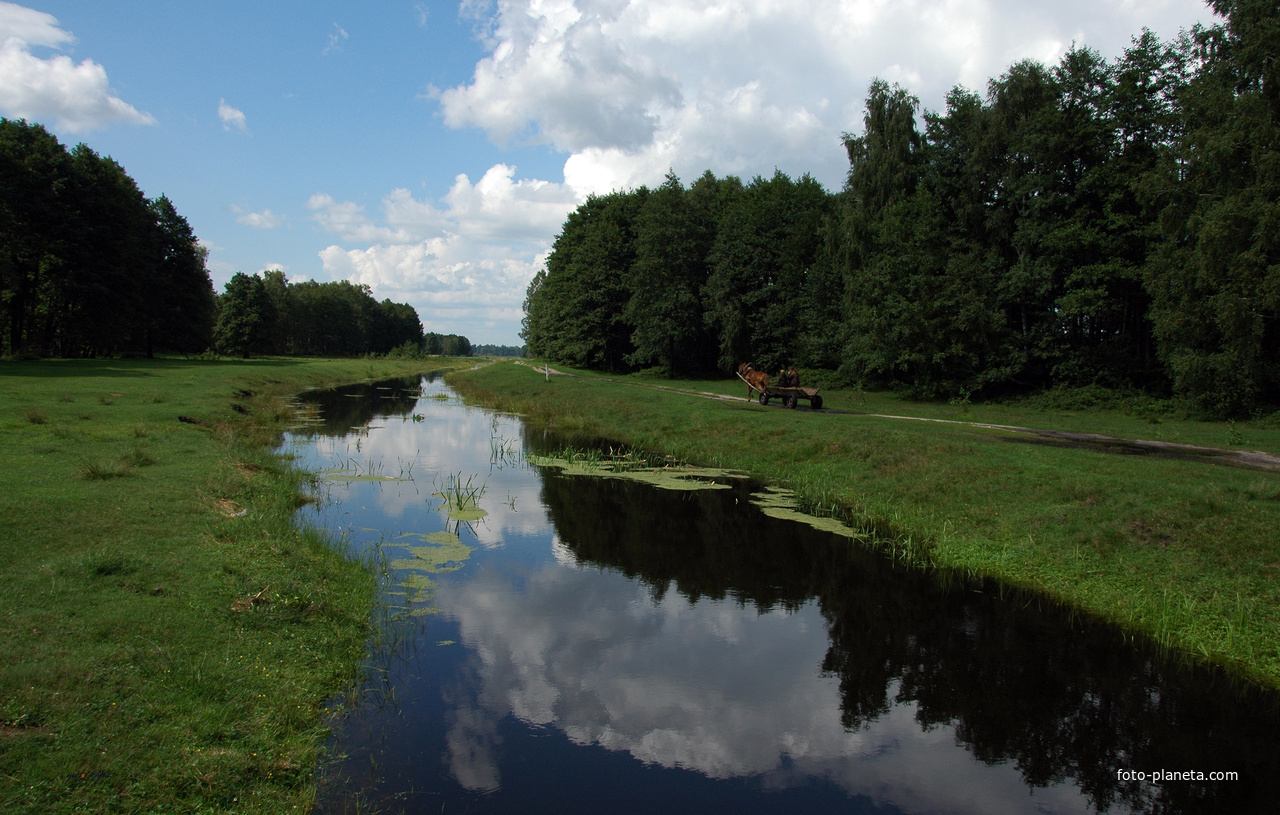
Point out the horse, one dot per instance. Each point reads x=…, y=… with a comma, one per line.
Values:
x=756, y=380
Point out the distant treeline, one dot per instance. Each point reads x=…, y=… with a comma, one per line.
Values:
x=498, y=350
x=266, y=314
x=1106, y=223
x=90, y=267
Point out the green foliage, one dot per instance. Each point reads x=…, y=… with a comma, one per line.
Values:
x=89, y=266
x=1090, y=224
x=577, y=314
x=674, y=233
x=268, y=315
x=1216, y=277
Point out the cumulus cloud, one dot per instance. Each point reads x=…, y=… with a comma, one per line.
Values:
x=75, y=97
x=628, y=89
x=232, y=117
x=464, y=261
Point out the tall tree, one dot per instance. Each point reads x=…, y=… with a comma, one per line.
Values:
x=245, y=317
x=1215, y=280
x=673, y=235
x=179, y=308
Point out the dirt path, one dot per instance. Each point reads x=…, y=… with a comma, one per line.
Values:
x=1252, y=459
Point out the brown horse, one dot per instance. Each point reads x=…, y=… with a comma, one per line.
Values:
x=756, y=380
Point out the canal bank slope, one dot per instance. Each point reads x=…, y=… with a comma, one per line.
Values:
x=172, y=638
x=1182, y=551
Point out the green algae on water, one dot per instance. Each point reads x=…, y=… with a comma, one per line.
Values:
x=675, y=477
x=779, y=503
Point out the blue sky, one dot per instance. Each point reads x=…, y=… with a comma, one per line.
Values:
x=433, y=149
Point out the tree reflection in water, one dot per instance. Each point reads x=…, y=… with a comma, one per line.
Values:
x=1019, y=679
x=611, y=646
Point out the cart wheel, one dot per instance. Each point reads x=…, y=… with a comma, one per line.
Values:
x=764, y=398
x=815, y=403
x=790, y=401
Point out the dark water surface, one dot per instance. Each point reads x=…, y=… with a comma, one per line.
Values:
x=601, y=645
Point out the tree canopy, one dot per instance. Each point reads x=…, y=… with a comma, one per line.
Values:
x=88, y=265
x=1095, y=222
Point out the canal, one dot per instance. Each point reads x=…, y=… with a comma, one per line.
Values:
x=606, y=637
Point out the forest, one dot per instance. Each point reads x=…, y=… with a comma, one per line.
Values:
x=1093, y=223
x=89, y=267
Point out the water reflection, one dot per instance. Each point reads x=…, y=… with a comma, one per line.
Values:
x=611, y=646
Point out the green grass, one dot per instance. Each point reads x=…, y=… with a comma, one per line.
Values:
x=1186, y=553
x=172, y=639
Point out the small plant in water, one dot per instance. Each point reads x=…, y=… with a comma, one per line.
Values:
x=458, y=495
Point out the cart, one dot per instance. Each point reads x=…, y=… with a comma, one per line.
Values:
x=790, y=396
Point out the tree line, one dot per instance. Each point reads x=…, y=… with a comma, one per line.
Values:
x=266, y=314
x=90, y=267
x=1096, y=222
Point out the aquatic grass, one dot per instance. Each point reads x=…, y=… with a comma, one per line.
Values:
x=459, y=497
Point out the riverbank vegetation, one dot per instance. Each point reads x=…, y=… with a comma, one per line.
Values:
x=1181, y=552
x=1092, y=223
x=173, y=640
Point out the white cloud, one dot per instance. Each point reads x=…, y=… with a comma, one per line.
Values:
x=258, y=220
x=589, y=653
x=628, y=89
x=464, y=264
x=336, y=39
x=75, y=97
x=232, y=117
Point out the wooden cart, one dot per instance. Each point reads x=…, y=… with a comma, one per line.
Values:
x=790, y=396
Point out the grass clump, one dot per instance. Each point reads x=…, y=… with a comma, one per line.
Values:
x=141, y=675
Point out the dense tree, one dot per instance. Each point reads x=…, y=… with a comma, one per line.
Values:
x=35, y=171
x=674, y=233
x=767, y=239
x=181, y=315
x=267, y=314
x=1215, y=278
x=578, y=317
x=1090, y=223
x=246, y=317
x=89, y=266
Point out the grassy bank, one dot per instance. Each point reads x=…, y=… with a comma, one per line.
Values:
x=1185, y=552
x=171, y=637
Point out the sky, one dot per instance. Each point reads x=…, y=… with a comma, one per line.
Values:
x=432, y=150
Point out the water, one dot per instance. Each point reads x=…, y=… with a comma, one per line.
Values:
x=596, y=644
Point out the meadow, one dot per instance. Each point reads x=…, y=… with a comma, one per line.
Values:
x=1183, y=554
x=175, y=643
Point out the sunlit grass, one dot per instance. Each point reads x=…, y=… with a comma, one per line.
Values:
x=171, y=638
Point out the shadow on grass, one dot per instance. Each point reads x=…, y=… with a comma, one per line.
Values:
x=63, y=368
